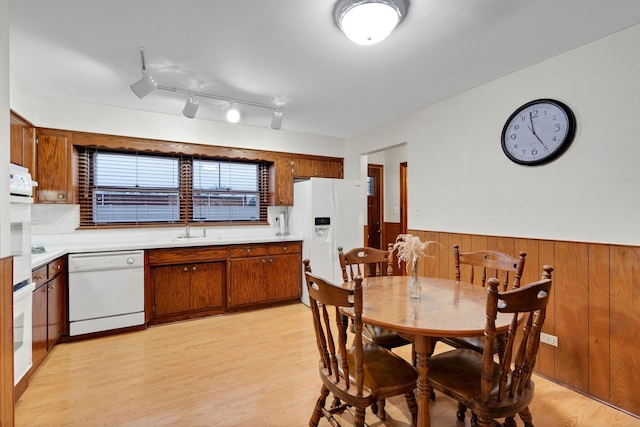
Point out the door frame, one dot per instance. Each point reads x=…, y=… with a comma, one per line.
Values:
x=380, y=168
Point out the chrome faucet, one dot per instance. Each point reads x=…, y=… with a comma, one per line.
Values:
x=187, y=231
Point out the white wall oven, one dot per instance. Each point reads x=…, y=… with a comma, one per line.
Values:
x=20, y=201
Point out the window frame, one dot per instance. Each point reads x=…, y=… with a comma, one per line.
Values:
x=86, y=188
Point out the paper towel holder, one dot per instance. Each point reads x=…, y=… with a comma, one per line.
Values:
x=281, y=219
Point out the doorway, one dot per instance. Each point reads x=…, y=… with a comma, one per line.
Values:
x=375, y=174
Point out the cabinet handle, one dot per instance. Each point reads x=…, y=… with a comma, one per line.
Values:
x=58, y=267
x=284, y=248
x=270, y=259
x=60, y=196
x=264, y=260
x=194, y=268
x=185, y=269
x=248, y=250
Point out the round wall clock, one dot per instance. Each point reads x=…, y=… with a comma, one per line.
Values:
x=538, y=132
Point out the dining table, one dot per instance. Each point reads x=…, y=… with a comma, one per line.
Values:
x=446, y=308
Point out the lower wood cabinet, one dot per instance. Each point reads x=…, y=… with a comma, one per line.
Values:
x=49, y=307
x=264, y=273
x=186, y=282
x=199, y=281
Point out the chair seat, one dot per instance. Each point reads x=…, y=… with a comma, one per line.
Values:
x=384, y=337
x=457, y=373
x=385, y=373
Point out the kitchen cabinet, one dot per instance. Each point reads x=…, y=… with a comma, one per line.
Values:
x=186, y=282
x=22, y=143
x=49, y=307
x=319, y=168
x=262, y=273
x=54, y=167
x=282, y=182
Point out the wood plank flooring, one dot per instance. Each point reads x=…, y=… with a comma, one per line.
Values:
x=244, y=369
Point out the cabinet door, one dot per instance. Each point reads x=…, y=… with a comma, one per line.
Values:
x=171, y=289
x=56, y=303
x=284, y=277
x=303, y=168
x=282, y=183
x=248, y=281
x=328, y=168
x=40, y=324
x=22, y=149
x=53, y=168
x=207, y=285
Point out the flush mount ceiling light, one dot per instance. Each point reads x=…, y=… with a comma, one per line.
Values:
x=146, y=85
x=369, y=21
x=190, y=107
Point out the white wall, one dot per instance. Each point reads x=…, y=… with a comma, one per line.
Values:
x=82, y=116
x=5, y=129
x=460, y=181
x=390, y=158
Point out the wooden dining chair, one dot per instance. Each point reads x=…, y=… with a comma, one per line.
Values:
x=506, y=269
x=358, y=375
x=367, y=262
x=498, y=389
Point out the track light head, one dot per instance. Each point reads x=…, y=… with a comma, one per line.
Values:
x=276, y=120
x=144, y=86
x=190, y=107
x=233, y=115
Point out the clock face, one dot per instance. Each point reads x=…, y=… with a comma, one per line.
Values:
x=538, y=132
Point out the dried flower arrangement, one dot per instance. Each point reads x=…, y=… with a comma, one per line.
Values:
x=410, y=248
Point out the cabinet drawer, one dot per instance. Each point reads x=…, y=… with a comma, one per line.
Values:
x=186, y=255
x=39, y=275
x=248, y=250
x=55, y=267
x=285, y=248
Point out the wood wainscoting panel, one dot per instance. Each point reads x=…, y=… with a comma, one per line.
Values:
x=599, y=351
x=571, y=279
x=594, y=308
x=547, y=354
x=624, y=327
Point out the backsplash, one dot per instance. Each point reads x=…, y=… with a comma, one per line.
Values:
x=53, y=222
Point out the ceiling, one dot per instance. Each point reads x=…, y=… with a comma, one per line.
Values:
x=290, y=52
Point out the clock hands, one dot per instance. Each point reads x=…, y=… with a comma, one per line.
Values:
x=533, y=130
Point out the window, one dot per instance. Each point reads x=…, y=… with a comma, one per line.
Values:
x=225, y=191
x=141, y=188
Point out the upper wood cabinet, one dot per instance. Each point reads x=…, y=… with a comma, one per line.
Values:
x=282, y=182
x=23, y=143
x=54, y=167
x=319, y=168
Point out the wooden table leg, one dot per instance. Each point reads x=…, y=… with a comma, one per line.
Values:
x=424, y=350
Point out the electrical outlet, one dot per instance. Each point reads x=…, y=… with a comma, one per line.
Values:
x=549, y=339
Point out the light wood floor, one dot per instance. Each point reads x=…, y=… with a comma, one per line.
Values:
x=244, y=369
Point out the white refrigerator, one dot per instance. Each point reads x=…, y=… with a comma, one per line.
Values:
x=327, y=213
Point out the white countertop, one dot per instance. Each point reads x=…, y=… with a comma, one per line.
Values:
x=54, y=251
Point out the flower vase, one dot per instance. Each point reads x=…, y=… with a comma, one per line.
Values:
x=415, y=288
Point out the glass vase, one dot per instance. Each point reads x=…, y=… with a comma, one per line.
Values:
x=415, y=288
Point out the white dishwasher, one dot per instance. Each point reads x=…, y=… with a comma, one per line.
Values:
x=106, y=291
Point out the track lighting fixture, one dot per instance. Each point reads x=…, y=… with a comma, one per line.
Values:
x=276, y=120
x=369, y=21
x=146, y=85
x=233, y=115
x=190, y=107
